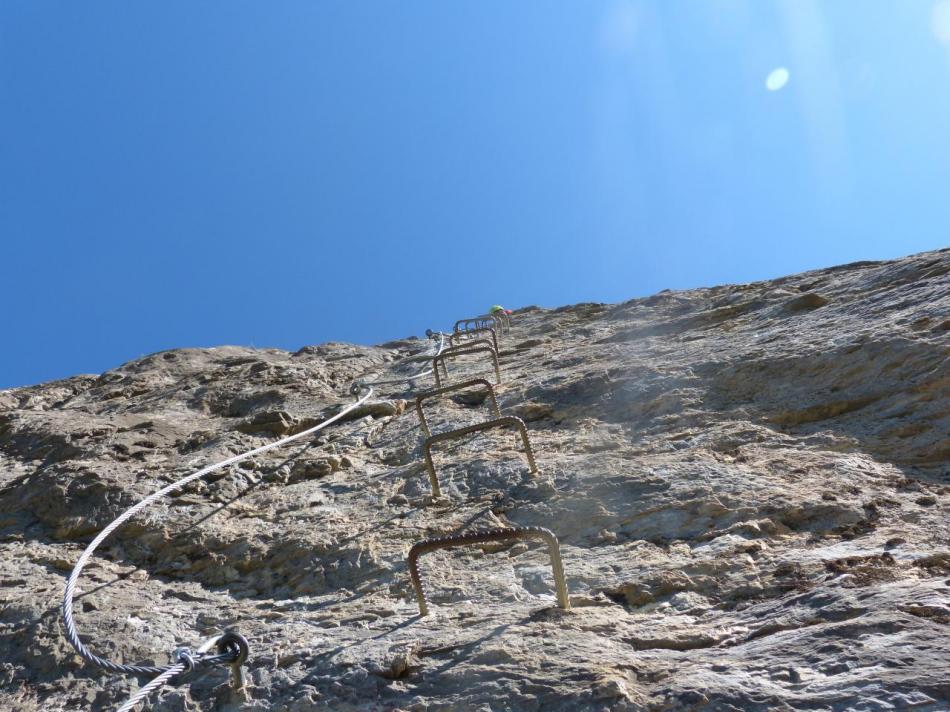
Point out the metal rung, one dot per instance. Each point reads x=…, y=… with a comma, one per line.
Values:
x=481, y=537
x=464, y=348
x=453, y=349
x=463, y=351
x=508, y=420
x=469, y=345
x=478, y=322
x=457, y=336
x=448, y=389
x=505, y=317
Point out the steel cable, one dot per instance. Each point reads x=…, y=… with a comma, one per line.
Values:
x=153, y=686
x=67, y=609
x=188, y=660
x=186, y=663
x=425, y=370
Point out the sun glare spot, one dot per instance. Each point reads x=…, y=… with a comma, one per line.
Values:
x=777, y=79
x=941, y=21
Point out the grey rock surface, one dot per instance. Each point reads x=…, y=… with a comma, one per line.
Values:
x=749, y=483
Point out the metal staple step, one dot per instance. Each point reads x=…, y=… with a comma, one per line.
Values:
x=480, y=537
x=505, y=421
x=436, y=392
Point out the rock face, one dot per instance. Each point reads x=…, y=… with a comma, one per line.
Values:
x=749, y=483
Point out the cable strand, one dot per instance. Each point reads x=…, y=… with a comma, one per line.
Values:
x=67, y=608
x=186, y=660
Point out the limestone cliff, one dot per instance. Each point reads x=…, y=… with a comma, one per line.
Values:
x=749, y=483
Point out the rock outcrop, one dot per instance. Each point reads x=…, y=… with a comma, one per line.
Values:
x=749, y=483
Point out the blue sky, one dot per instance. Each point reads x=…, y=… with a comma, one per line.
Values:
x=281, y=173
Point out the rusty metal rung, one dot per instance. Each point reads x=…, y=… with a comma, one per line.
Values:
x=508, y=420
x=470, y=344
x=463, y=351
x=481, y=537
x=457, y=336
x=464, y=348
x=505, y=317
x=448, y=389
x=478, y=322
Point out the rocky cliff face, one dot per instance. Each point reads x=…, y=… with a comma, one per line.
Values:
x=749, y=483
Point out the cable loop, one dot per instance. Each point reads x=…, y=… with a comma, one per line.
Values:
x=236, y=645
x=186, y=657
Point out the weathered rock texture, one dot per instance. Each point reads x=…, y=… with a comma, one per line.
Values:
x=750, y=486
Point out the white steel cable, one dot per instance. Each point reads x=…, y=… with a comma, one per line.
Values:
x=67, y=609
x=157, y=683
x=153, y=685
x=168, y=672
x=425, y=370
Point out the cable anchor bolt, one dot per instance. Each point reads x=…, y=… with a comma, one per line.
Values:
x=229, y=643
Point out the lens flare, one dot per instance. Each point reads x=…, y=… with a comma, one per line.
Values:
x=777, y=79
x=941, y=21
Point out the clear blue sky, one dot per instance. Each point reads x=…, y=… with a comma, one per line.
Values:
x=282, y=173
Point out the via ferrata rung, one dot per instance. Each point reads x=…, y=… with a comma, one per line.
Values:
x=462, y=337
x=481, y=537
x=437, y=392
x=502, y=422
x=464, y=350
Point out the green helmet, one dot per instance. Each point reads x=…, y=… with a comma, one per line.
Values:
x=496, y=308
